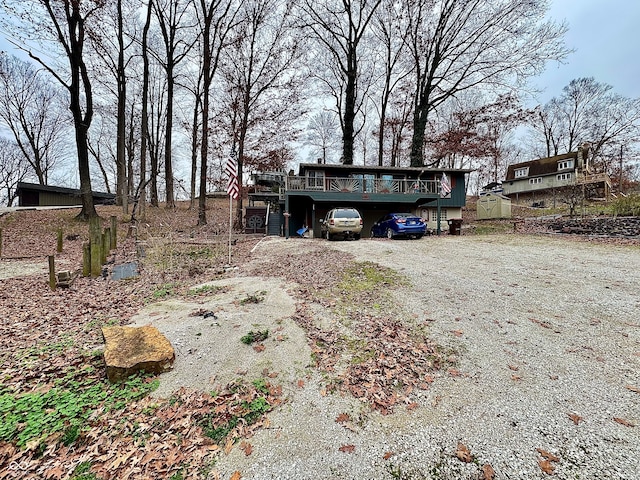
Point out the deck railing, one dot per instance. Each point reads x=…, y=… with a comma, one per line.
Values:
x=361, y=185
x=594, y=178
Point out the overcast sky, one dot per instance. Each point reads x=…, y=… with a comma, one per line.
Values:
x=605, y=35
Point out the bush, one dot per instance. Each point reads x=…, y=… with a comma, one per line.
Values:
x=628, y=206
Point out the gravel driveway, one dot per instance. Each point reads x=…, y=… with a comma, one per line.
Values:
x=547, y=335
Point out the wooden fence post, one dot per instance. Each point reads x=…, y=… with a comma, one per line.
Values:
x=106, y=244
x=59, y=246
x=86, y=259
x=52, y=272
x=114, y=232
x=96, y=246
x=0, y=242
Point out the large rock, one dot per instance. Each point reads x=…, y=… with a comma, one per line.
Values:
x=129, y=350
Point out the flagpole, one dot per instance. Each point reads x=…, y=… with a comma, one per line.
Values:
x=230, y=224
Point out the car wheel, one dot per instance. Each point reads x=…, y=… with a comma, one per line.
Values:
x=389, y=233
x=329, y=236
x=419, y=236
x=356, y=236
x=372, y=234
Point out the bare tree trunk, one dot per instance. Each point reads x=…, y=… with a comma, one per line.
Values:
x=121, y=85
x=144, y=123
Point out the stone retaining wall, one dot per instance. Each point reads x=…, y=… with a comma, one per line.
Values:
x=604, y=226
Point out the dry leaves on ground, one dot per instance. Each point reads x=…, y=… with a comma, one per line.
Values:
x=463, y=453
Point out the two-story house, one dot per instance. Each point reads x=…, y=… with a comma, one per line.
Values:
x=373, y=190
x=545, y=180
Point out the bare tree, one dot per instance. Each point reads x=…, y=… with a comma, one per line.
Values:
x=390, y=28
x=141, y=195
x=262, y=68
x=31, y=108
x=340, y=28
x=459, y=45
x=173, y=20
x=216, y=18
x=113, y=38
x=63, y=24
x=322, y=133
x=12, y=170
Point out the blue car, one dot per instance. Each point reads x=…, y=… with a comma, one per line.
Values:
x=399, y=225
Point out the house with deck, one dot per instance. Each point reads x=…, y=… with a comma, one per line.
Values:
x=545, y=181
x=305, y=198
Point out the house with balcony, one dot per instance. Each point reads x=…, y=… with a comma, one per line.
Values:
x=306, y=198
x=546, y=181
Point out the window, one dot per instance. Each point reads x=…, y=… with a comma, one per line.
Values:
x=522, y=172
x=434, y=215
x=563, y=176
x=315, y=179
x=367, y=181
x=565, y=164
x=535, y=181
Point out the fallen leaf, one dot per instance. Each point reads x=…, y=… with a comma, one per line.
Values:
x=633, y=388
x=488, y=472
x=516, y=378
x=343, y=417
x=548, y=455
x=463, y=453
x=624, y=422
x=388, y=455
x=246, y=448
x=259, y=348
x=575, y=417
x=300, y=383
x=56, y=472
x=347, y=448
x=236, y=476
x=513, y=367
x=228, y=446
x=546, y=466
x=457, y=333
x=412, y=406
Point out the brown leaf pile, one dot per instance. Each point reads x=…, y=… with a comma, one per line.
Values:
x=146, y=440
x=397, y=363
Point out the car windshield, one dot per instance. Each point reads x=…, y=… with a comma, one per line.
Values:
x=347, y=214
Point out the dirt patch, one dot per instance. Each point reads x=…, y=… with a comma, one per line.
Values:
x=19, y=268
x=207, y=334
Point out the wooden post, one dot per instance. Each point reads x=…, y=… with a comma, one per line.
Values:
x=59, y=247
x=114, y=231
x=0, y=242
x=106, y=240
x=86, y=259
x=52, y=272
x=96, y=246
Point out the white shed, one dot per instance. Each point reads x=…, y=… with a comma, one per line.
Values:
x=493, y=205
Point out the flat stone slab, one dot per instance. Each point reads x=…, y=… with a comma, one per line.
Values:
x=129, y=350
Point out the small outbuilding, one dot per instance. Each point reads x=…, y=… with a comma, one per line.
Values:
x=34, y=195
x=493, y=205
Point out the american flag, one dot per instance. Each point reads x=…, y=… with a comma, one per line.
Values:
x=445, y=186
x=232, y=171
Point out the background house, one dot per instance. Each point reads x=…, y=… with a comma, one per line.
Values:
x=375, y=191
x=545, y=181
x=35, y=195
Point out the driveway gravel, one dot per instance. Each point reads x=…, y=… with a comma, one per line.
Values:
x=546, y=333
